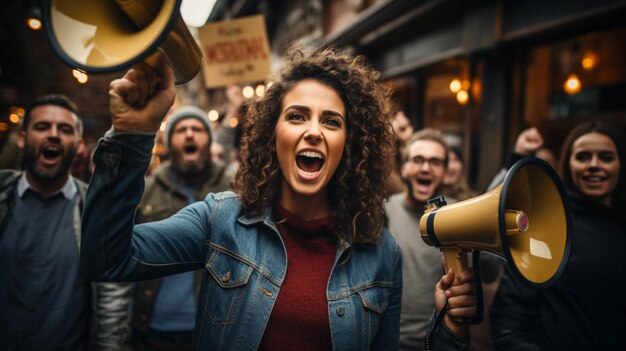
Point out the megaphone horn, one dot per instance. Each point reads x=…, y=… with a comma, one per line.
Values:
x=524, y=220
x=104, y=36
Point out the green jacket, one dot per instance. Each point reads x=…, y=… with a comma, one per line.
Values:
x=161, y=199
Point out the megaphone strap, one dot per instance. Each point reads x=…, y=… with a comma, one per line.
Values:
x=430, y=228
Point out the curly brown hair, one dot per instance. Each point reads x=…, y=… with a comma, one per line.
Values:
x=358, y=188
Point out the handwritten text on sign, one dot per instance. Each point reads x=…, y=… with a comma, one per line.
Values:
x=235, y=51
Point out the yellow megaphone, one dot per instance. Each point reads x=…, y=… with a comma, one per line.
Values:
x=103, y=36
x=525, y=220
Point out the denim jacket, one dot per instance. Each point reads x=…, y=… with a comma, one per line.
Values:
x=243, y=258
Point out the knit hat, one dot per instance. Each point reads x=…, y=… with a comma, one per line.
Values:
x=184, y=113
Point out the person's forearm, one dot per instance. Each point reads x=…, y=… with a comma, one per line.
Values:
x=108, y=217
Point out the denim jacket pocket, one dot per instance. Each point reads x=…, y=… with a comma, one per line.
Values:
x=375, y=298
x=374, y=301
x=225, y=290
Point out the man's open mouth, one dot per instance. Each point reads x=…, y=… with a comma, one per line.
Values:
x=424, y=182
x=190, y=149
x=51, y=152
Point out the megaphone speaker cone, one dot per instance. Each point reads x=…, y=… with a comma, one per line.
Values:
x=539, y=254
x=105, y=36
x=524, y=220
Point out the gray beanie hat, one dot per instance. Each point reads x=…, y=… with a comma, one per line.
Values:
x=183, y=113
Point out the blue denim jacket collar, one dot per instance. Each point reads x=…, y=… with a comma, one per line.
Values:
x=266, y=218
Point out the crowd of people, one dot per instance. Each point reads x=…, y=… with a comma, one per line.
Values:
x=297, y=229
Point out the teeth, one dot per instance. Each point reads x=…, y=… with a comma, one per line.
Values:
x=593, y=179
x=311, y=154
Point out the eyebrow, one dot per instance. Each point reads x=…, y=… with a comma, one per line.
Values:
x=308, y=109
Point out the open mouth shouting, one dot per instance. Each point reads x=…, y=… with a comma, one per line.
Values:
x=309, y=164
x=190, y=152
x=51, y=154
x=423, y=185
x=423, y=188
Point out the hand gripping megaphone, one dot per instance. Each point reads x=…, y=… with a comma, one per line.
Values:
x=104, y=36
x=525, y=220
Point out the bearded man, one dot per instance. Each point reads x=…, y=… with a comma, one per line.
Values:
x=45, y=302
x=164, y=309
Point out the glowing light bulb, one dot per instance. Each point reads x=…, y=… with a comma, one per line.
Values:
x=455, y=85
x=462, y=97
x=80, y=76
x=572, y=85
x=233, y=122
x=260, y=90
x=589, y=61
x=34, y=23
x=247, y=92
x=213, y=115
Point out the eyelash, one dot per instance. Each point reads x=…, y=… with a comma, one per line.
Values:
x=294, y=116
x=333, y=122
x=584, y=156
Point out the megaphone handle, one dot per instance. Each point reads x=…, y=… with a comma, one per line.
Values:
x=456, y=259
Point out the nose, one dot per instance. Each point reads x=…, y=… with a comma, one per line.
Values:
x=314, y=134
x=54, y=131
x=188, y=133
x=593, y=163
x=425, y=166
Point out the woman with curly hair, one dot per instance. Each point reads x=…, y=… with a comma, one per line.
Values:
x=297, y=257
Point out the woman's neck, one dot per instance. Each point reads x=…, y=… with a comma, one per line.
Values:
x=307, y=207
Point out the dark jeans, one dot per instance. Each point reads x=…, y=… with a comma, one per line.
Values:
x=155, y=340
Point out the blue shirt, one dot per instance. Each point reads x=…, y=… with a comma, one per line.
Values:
x=42, y=294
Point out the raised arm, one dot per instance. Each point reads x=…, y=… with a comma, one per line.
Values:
x=113, y=248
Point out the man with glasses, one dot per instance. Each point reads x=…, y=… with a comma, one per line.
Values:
x=425, y=159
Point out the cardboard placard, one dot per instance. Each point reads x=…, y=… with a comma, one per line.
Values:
x=235, y=51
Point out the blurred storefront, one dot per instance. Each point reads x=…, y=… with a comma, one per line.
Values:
x=482, y=71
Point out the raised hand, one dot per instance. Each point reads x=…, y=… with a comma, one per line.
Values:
x=142, y=97
x=528, y=142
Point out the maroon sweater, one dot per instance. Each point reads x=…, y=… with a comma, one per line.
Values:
x=299, y=320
